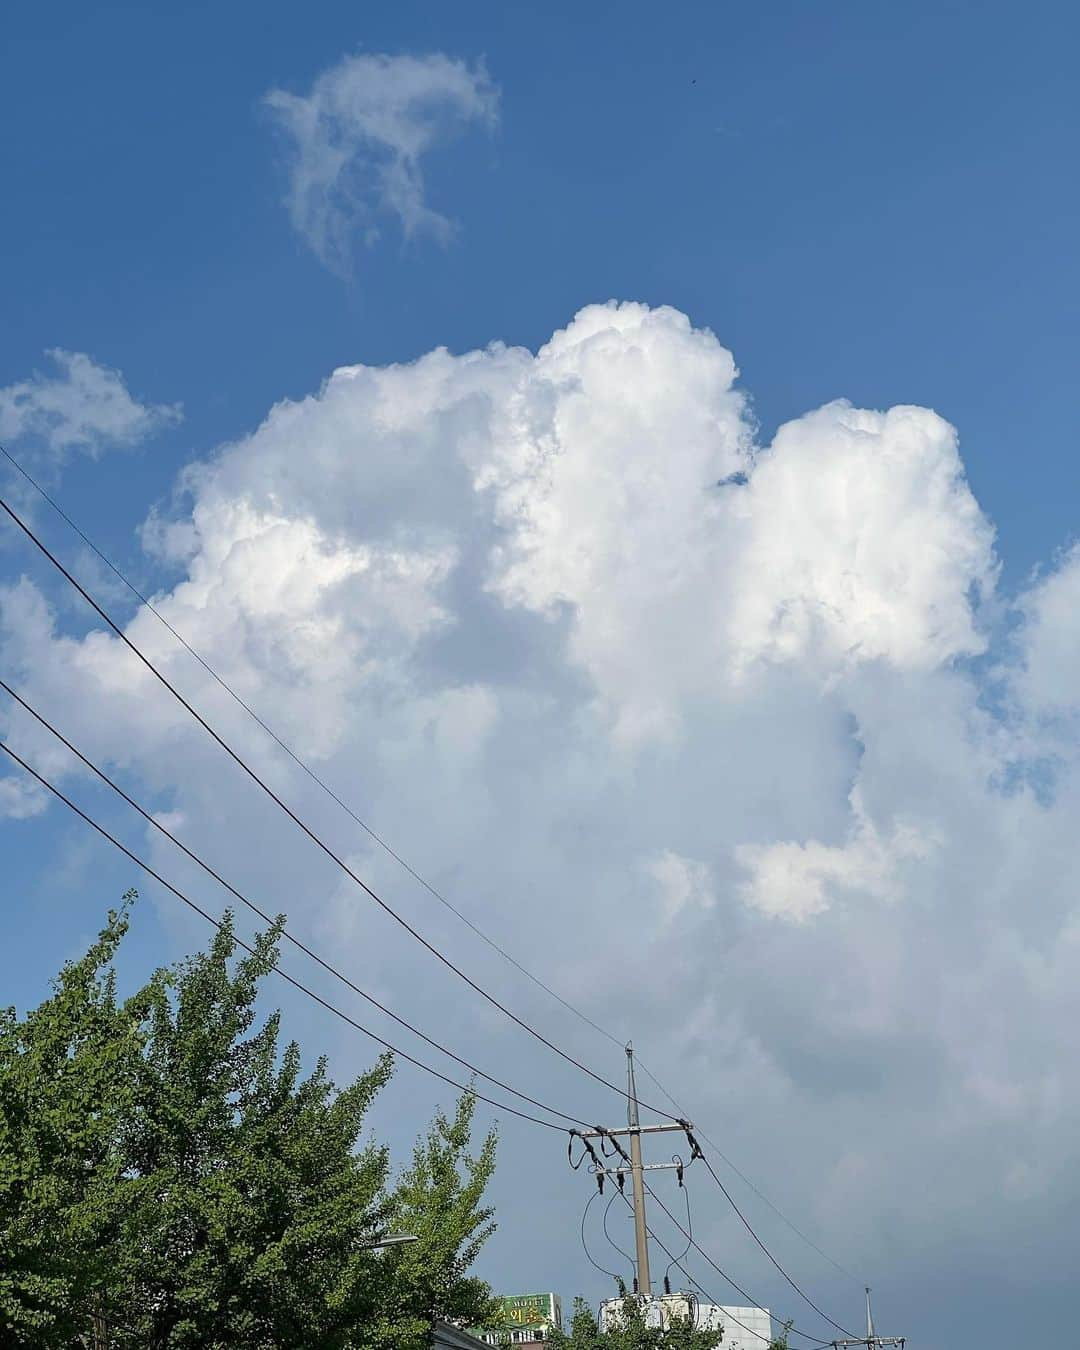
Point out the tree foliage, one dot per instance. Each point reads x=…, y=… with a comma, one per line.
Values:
x=631, y=1331
x=439, y=1200
x=169, y=1176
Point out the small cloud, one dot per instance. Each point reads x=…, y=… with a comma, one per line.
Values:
x=358, y=138
x=796, y=881
x=20, y=799
x=84, y=407
x=683, y=884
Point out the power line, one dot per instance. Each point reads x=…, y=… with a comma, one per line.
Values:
x=317, y=998
x=585, y=1246
x=615, y=1195
x=677, y=1262
x=339, y=1013
x=298, y=821
x=694, y=1243
x=817, y=1340
x=384, y=844
x=267, y=918
x=390, y=851
x=637, y=1168
x=689, y=1228
x=290, y=979
x=300, y=762
x=746, y=1224
x=350, y=1021
x=746, y=1180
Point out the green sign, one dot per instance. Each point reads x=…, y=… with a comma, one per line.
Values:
x=528, y=1312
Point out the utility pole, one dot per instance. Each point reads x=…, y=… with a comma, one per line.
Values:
x=872, y=1340
x=633, y=1165
x=641, y=1233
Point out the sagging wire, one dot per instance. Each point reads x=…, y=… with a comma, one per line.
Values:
x=588, y=1149
x=677, y=1260
x=607, y=1210
x=585, y=1246
x=607, y=1137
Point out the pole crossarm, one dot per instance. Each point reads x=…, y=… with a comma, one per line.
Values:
x=872, y=1342
x=680, y=1128
x=632, y=1165
x=645, y=1167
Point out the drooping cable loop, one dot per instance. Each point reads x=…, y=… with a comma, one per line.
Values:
x=585, y=1246
x=615, y=1195
x=689, y=1238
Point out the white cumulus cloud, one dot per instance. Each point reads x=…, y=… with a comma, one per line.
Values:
x=795, y=880
x=863, y=542
x=83, y=406
x=358, y=138
x=692, y=724
x=1050, y=639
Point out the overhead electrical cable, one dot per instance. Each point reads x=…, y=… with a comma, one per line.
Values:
x=382, y=843
x=689, y=1229
x=338, y=1012
x=677, y=1262
x=749, y=1228
x=585, y=1245
x=267, y=918
x=747, y=1182
x=615, y=1195
x=302, y=825
x=302, y=764
x=290, y=979
x=720, y=1271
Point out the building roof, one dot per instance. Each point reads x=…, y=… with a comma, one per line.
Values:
x=446, y=1337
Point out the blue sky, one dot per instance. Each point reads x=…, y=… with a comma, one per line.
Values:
x=868, y=202
x=863, y=200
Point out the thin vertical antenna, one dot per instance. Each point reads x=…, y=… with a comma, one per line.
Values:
x=872, y=1340
x=631, y=1088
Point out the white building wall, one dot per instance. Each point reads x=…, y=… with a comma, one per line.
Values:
x=754, y=1333
x=743, y=1328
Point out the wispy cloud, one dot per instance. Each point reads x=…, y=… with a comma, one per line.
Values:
x=84, y=406
x=357, y=141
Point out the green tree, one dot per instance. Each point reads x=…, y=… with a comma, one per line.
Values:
x=439, y=1200
x=249, y=1204
x=631, y=1332
x=67, y=1078
x=170, y=1178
